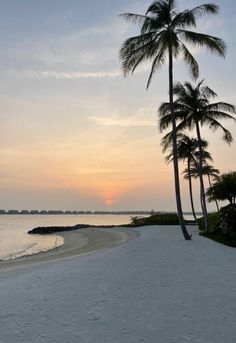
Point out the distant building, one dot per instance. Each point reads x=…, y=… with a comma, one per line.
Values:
x=43, y=212
x=34, y=212
x=24, y=212
x=68, y=212
x=13, y=212
x=2, y=212
x=55, y=212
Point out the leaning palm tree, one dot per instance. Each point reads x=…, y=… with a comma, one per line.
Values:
x=193, y=109
x=163, y=35
x=187, y=150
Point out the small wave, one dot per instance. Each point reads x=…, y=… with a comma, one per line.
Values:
x=34, y=249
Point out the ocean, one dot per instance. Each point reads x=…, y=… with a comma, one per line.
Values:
x=15, y=242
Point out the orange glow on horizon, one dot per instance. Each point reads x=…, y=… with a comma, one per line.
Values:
x=109, y=202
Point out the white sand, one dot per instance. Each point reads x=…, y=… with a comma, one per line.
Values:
x=155, y=288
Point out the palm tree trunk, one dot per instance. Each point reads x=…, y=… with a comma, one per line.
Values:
x=191, y=191
x=175, y=157
x=210, y=184
x=202, y=188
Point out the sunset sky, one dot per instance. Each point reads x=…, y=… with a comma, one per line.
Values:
x=74, y=133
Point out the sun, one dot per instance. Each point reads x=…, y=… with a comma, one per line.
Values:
x=109, y=202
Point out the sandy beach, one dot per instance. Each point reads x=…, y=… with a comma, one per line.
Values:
x=155, y=288
x=76, y=242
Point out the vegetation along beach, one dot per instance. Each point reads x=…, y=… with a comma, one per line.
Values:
x=118, y=178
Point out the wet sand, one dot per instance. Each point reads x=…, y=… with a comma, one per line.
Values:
x=77, y=242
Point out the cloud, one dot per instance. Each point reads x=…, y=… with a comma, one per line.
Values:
x=62, y=75
x=133, y=121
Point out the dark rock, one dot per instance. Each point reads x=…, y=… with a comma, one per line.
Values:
x=52, y=229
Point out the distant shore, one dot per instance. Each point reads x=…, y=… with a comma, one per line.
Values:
x=59, y=212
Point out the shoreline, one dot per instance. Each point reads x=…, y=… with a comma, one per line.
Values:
x=76, y=242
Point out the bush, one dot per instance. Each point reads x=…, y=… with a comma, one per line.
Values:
x=222, y=226
x=227, y=222
x=156, y=219
x=212, y=222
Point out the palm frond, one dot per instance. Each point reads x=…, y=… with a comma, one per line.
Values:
x=166, y=141
x=215, y=125
x=185, y=173
x=214, y=44
x=180, y=116
x=219, y=115
x=201, y=10
x=160, y=58
x=189, y=17
x=179, y=90
x=185, y=124
x=222, y=106
x=165, y=122
x=137, y=19
x=205, y=155
x=184, y=19
x=169, y=158
x=151, y=25
x=135, y=49
x=207, y=92
x=161, y=7
x=158, y=62
x=190, y=60
x=165, y=109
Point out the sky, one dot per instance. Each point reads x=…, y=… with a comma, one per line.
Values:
x=76, y=134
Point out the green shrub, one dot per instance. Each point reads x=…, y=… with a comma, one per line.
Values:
x=212, y=222
x=156, y=219
x=227, y=222
x=222, y=226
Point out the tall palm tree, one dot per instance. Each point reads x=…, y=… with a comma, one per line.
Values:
x=163, y=35
x=187, y=150
x=193, y=109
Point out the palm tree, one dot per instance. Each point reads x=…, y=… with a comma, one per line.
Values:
x=187, y=149
x=224, y=188
x=163, y=34
x=194, y=110
x=207, y=170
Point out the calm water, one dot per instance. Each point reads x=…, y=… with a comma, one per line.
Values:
x=15, y=242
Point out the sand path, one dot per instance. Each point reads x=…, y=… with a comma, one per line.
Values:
x=155, y=288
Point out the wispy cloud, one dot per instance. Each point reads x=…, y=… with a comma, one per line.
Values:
x=133, y=121
x=62, y=75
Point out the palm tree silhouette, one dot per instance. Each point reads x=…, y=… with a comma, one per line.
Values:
x=207, y=170
x=187, y=150
x=193, y=110
x=163, y=35
x=224, y=188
